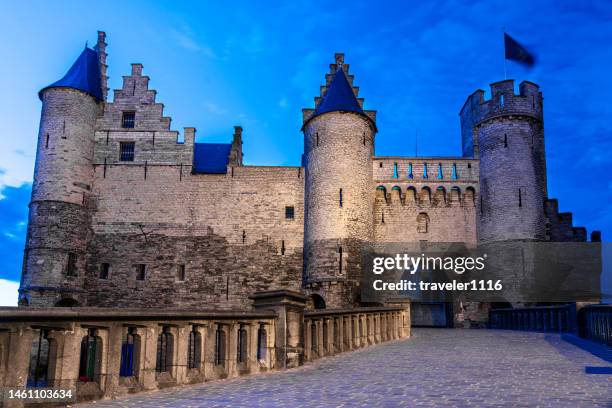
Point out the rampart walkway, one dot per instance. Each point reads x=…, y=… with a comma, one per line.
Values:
x=436, y=367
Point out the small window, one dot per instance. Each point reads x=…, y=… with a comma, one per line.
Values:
x=425, y=170
x=341, y=198
x=104, y=270
x=180, y=273
x=127, y=120
x=454, y=174
x=422, y=223
x=71, y=264
x=126, y=151
x=410, y=175
x=505, y=140
x=395, y=175
x=289, y=212
x=501, y=101
x=440, y=173
x=141, y=272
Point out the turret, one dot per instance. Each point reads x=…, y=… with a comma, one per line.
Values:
x=338, y=148
x=58, y=228
x=507, y=134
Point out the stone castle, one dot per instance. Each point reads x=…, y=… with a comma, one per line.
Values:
x=123, y=214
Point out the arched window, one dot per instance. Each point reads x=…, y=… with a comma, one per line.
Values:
x=194, y=349
x=242, y=351
x=425, y=170
x=422, y=223
x=318, y=301
x=220, y=346
x=262, y=343
x=395, y=174
x=91, y=357
x=165, y=350
x=38, y=372
x=130, y=352
x=454, y=174
x=440, y=173
x=410, y=175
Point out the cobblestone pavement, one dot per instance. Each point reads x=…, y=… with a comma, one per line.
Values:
x=436, y=367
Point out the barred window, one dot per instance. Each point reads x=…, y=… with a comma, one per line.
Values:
x=104, y=270
x=141, y=272
x=289, y=213
x=128, y=119
x=262, y=343
x=126, y=151
x=165, y=347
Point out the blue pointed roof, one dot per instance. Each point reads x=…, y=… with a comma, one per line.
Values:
x=211, y=158
x=83, y=75
x=339, y=96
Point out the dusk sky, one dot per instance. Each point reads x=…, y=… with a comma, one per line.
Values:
x=219, y=64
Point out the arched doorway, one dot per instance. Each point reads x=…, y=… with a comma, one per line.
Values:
x=317, y=301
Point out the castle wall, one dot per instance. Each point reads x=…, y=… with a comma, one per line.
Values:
x=425, y=209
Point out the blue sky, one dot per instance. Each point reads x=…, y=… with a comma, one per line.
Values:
x=217, y=64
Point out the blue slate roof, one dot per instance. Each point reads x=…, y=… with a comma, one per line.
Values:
x=83, y=75
x=339, y=96
x=211, y=158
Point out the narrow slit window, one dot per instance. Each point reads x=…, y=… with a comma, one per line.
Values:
x=104, y=270
x=128, y=119
x=454, y=174
x=505, y=140
x=341, y=198
x=141, y=272
x=410, y=175
x=71, y=264
x=425, y=170
x=126, y=151
x=340, y=260
x=520, y=198
x=440, y=173
x=395, y=175
x=180, y=273
x=501, y=101
x=47, y=141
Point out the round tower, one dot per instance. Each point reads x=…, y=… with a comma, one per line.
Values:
x=339, y=194
x=59, y=219
x=507, y=134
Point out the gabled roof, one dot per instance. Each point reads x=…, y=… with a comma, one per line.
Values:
x=211, y=158
x=339, y=96
x=83, y=75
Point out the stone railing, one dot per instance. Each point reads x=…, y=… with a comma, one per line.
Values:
x=104, y=353
x=595, y=323
x=541, y=318
x=329, y=332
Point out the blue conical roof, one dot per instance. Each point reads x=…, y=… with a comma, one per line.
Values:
x=339, y=96
x=83, y=75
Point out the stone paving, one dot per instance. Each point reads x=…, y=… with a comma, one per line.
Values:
x=436, y=367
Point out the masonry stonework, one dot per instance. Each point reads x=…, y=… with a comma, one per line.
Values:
x=127, y=213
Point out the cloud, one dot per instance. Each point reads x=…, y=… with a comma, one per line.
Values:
x=8, y=292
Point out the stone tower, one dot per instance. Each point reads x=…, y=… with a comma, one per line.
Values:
x=507, y=134
x=339, y=195
x=58, y=229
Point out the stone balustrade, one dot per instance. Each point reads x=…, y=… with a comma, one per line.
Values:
x=104, y=353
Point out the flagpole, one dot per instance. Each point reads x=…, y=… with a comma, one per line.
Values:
x=504, y=49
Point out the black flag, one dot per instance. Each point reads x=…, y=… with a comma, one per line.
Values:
x=516, y=52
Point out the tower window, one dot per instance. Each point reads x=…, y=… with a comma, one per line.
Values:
x=440, y=174
x=141, y=272
x=501, y=101
x=340, y=260
x=520, y=198
x=126, y=151
x=454, y=175
x=128, y=119
x=380, y=165
x=71, y=267
x=410, y=175
x=395, y=175
x=425, y=170
x=180, y=273
x=104, y=270
x=505, y=140
x=47, y=141
x=289, y=212
x=340, y=198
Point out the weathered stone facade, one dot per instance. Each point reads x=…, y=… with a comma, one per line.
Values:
x=154, y=232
